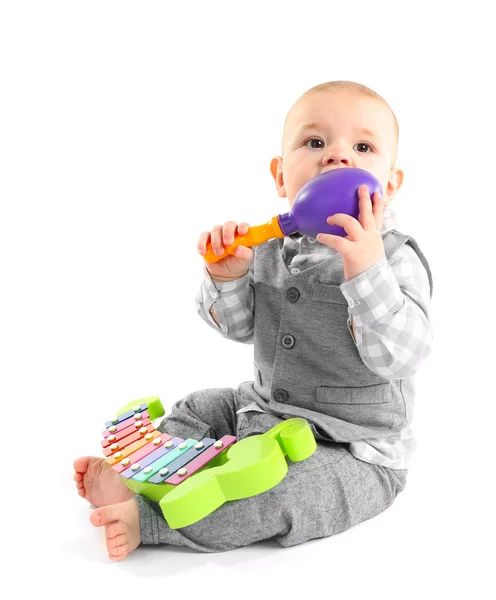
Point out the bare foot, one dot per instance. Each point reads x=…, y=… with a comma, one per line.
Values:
x=122, y=527
x=98, y=482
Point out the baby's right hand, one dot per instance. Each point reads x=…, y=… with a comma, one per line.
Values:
x=233, y=266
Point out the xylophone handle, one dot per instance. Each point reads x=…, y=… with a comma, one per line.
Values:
x=295, y=438
x=255, y=236
x=155, y=407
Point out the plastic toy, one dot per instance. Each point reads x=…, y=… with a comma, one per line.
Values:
x=192, y=478
x=331, y=192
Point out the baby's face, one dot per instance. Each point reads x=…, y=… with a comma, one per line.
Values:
x=334, y=129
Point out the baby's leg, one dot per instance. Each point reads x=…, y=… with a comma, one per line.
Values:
x=205, y=413
x=326, y=494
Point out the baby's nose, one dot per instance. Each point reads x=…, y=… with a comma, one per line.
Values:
x=337, y=157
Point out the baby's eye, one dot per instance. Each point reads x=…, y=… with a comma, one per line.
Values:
x=362, y=147
x=314, y=140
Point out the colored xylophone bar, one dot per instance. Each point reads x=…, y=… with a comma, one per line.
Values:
x=138, y=451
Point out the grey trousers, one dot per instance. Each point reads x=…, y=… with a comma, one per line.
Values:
x=323, y=495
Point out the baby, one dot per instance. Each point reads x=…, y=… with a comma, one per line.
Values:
x=340, y=325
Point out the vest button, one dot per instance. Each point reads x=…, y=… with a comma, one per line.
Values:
x=293, y=294
x=288, y=341
x=281, y=395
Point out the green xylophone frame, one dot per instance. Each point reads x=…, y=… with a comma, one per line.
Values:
x=249, y=467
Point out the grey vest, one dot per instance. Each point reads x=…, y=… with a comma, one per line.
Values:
x=306, y=363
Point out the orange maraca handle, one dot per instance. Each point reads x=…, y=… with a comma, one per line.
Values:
x=253, y=237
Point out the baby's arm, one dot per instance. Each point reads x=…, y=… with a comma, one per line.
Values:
x=226, y=299
x=389, y=316
x=228, y=307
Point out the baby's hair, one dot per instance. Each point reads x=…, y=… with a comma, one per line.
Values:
x=358, y=89
x=351, y=86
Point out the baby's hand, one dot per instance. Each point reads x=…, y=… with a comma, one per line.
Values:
x=233, y=266
x=363, y=246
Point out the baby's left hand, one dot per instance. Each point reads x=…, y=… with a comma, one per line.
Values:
x=363, y=245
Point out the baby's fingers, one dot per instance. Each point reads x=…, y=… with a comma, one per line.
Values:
x=244, y=253
x=243, y=228
x=228, y=232
x=203, y=241
x=216, y=240
x=378, y=209
x=348, y=223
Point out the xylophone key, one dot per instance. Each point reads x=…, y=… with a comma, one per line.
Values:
x=113, y=429
x=162, y=462
x=147, y=461
x=200, y=461
x=179, y=463
x=121, y=444
x=158, y=442
x=128, y=450
x=126, y=415
x=120, y=435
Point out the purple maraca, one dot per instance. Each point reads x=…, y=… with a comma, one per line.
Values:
x=329, y=193
x=332, y=192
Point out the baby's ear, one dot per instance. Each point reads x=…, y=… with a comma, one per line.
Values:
x=276, y=171
x=394, y=183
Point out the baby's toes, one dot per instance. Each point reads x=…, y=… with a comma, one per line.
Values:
x=80, y=485
x=117, y=540
x=113, y=543
x=118, y=547
x=115, y=529
x=104, y=515
x=81, y=464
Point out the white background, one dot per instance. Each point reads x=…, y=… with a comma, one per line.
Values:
x=127, y=128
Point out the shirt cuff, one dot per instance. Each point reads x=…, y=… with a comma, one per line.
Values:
x=213, y=289
x=373, y=294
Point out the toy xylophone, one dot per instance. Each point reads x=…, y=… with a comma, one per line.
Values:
x=192, y=478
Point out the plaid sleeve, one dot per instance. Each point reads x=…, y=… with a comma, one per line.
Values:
x=232, y=303
x=389, y=306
